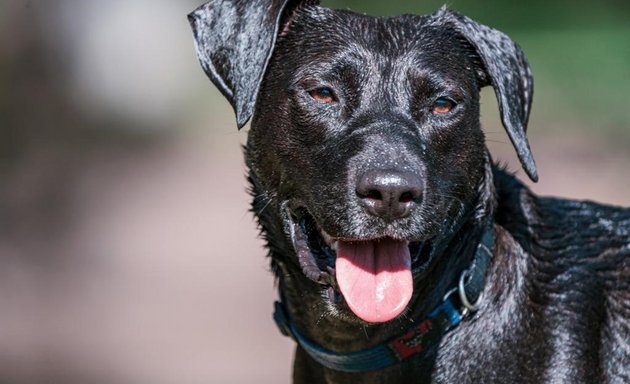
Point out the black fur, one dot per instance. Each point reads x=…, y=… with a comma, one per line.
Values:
x=556, y=306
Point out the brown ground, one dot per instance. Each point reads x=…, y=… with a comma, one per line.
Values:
x=158, y=275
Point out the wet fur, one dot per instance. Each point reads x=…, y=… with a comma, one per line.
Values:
x=556, y=307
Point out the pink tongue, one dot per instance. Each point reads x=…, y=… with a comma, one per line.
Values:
x=375, y=278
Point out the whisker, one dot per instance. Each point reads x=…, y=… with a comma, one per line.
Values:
x=497, y=141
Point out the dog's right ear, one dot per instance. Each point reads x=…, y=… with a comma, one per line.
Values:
x=505, y=68
x=234, y=40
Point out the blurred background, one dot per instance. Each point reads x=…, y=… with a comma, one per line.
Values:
x=127, y=252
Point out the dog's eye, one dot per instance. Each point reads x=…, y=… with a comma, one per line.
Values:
x=323, y=95
x=443, y=105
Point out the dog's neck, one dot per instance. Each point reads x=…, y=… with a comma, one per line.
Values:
x=452, y=253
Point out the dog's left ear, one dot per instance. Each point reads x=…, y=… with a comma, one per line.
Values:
x=234, y=41
x=503, y=66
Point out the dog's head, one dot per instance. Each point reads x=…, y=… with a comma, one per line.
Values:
x=365, y=130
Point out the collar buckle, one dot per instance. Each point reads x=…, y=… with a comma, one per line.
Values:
x=461, y=289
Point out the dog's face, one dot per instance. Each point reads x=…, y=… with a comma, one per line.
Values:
x=347, y=98
x=366, y=135
x=374, y=125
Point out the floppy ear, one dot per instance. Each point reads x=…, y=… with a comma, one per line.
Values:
x=504, y=67
x=234, y=40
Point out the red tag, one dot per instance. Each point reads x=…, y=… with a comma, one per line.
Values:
x=411, y=343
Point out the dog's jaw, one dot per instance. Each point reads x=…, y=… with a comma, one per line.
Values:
x=382, y=267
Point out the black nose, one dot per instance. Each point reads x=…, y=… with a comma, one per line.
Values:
x=389, y=194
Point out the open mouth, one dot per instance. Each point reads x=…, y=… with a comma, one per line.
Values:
x=374, y=277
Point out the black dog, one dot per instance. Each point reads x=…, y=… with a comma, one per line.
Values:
x=403, y=254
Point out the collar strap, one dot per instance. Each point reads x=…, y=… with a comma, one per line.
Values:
x=418, y=338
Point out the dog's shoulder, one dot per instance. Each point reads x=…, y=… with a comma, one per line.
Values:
x=576, y=264
x=585, y=229
x=570, y=242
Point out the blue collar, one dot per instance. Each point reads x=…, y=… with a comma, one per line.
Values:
x=447, y=315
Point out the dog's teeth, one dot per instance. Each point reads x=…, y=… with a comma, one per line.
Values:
x=333, y=245
x=327, y=238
